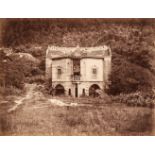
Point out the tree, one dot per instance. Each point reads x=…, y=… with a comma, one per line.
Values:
x=127, y=77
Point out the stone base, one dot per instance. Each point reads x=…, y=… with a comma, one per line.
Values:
x=77, y=89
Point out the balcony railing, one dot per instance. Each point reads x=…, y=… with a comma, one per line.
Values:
x=75, y=77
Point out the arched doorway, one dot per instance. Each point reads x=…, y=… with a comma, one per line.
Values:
x=92, y=90
x=59, y=90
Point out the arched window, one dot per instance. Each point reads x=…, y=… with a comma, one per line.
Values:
x=94, y=72
x=59, y=72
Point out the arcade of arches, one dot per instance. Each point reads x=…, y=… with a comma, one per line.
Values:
x=59, y=90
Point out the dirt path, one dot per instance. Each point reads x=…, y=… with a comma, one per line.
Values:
x=29, y=88
x=36, y=99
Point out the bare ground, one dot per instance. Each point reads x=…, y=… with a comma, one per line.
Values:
x=36, y=114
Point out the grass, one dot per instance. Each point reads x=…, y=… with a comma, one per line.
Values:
x=10, y=90
x=107, y=119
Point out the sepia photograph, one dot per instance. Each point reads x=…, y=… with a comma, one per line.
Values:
x=77, y=77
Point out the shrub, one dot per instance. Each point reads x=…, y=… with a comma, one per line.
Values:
x=10, y=91
x=36, y=79
x=127, y=77
x=136, y=99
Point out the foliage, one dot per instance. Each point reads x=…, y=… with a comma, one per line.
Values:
x=136, y=99
x=11, y=90
x=131, y=41
x=36, y=118
x=127, y=77
x=36, y=79
x=14, y=70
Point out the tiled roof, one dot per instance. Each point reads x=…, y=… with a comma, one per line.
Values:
x=60, y=52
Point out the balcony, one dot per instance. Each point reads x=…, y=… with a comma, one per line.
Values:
x=75, y=77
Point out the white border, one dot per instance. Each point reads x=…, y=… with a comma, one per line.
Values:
x=77, y=145
x=77, y=8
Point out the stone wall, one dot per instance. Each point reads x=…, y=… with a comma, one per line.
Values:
x=87, y=64
x=66, y=66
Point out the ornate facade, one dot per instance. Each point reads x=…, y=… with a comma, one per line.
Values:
x=78, y=71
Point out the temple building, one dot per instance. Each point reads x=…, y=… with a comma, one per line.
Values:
x=78, y=71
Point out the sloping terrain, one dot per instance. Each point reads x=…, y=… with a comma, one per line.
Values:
x=36, y=114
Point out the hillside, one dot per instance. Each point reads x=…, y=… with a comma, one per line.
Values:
x=131, y=41
x=28, y=108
